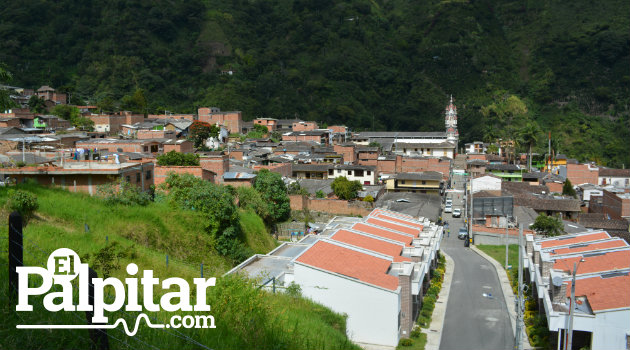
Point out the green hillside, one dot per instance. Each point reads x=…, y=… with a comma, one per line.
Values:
x=246, y=317
x=371, y=64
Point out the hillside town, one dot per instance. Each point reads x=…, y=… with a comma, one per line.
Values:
x=371, y=256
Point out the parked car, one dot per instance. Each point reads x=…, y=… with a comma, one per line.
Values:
x=457, y=212
x=463, y=233
x=448, y=209
x=449, y=201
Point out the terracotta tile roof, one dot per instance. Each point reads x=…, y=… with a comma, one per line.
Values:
x=351, y=263
x=603, y=293
x=606, y=262
x=588, y=247
x=596, y=236
x=383, y=232
x=393, y=226
x=369, y=243
x=403, y=221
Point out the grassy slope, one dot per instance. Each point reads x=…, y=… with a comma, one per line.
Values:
x=245, y=316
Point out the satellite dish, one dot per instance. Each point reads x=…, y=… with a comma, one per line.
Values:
x=557, y=281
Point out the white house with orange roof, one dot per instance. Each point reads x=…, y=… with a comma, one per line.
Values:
x=374, y=269
x=363, y=285
x=602, y=305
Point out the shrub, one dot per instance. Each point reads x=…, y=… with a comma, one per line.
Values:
x=406, y=342
x=368, y=199
x=294, y=290
x=23, y=202
x=423, y=321
x=433, y=290
x=345, y=189
x=123, y=193
x=320, y=194
x=416, y=333
x=173, y=158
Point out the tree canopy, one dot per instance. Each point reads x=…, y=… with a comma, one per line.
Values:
x=547, y=225
x=174, y=158
x=346, y=189
x=274, y=192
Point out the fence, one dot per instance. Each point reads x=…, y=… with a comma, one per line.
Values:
x=17, y=245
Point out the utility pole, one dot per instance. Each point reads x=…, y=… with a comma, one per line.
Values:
x=472, y=215
x=506, y=242
x=569, y=342
x=519, y=301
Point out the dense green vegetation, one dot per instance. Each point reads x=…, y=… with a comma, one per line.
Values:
x=110, y=236
x=369, y=64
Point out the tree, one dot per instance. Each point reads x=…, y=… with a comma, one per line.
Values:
x=547, y=225
x=216, y=204
x=529, y=135
x=320, y=194
x=261, y=129
x=250, y=198
x=493, y=148
x=199, y=132
x=137, y=103
x=568, y=190
x=36, y=104
x=296, y=188
x=66, y=112
x=174, y=158
x=346, y=189
x=274, y=193
x=5, y=99
x=72, y=114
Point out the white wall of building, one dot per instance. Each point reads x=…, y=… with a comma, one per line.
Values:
x=588, y=193
x=610, y=330
x=372, y=311
x=617, y=181
x=364, y=180
x=486, y=183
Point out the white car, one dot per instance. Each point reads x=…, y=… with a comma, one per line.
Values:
x=448, y=208
x=457, y=213
x=449, y=202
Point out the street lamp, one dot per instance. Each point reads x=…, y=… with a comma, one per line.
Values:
x=569, y=342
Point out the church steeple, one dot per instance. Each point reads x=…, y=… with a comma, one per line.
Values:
x=450, y=119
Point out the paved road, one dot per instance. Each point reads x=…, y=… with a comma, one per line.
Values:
x=473, y=321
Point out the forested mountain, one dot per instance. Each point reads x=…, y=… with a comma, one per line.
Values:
x=558, y=66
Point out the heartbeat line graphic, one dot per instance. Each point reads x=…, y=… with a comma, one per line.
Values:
x=97, y=326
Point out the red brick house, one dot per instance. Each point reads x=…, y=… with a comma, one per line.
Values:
x=233, y=121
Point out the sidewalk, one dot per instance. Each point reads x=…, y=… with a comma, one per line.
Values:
x=508, y=293
x=434, y=332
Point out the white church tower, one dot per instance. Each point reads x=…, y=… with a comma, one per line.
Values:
x=450, y=120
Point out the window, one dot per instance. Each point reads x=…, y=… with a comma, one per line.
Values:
x=148, y=176
x=138, y=176
x=358, y=173
x=368, y=173
x=128, y=179
x=330, y=172
x=349, y=172
x=145, y=148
